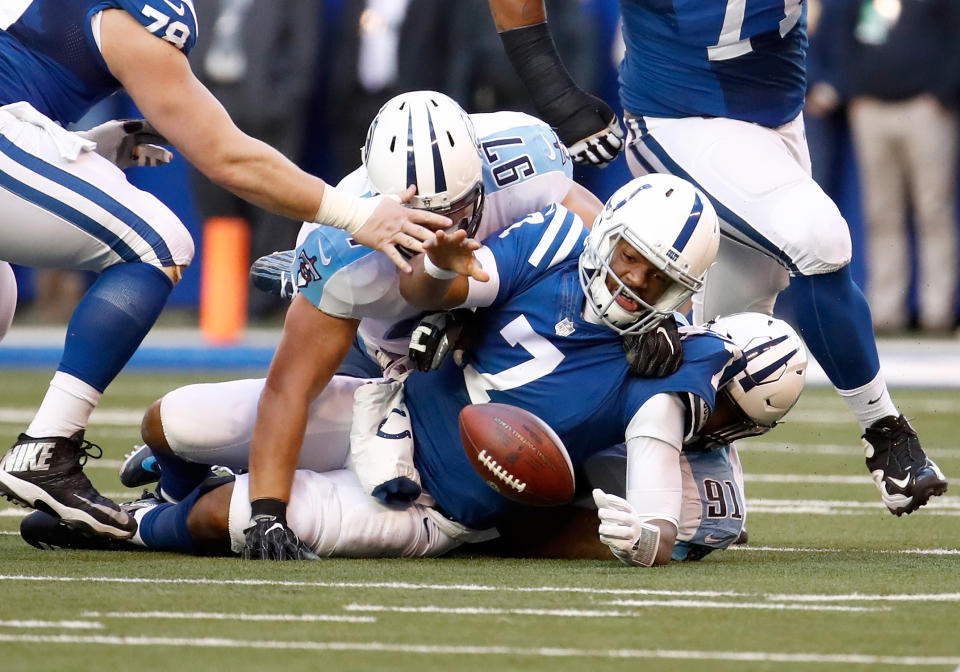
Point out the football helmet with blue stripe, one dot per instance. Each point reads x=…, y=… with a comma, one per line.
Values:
x=425, y=138
x=672, y=225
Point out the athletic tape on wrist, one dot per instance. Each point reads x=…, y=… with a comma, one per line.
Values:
x=435, y=271
x=343, y=211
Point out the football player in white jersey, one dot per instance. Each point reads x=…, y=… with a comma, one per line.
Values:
x=66, y=204
x=713, y=93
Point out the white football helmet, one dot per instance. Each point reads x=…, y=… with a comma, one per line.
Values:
x=425, y=138
x=770, y=376
x=668, y=221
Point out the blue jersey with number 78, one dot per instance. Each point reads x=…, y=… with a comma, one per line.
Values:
x=50, y=54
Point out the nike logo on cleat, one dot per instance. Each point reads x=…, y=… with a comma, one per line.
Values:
x=33, y=456
x=900, y=482
x=118, y=516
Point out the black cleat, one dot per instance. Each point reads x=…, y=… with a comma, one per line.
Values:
x=903, y=473
x=274, y=274
x=47, y=474
x=49, y=533
x=139, y=468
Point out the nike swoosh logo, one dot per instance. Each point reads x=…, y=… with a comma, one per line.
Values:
x=324, y=259
x=178, y=9
x=118, y=516
x=873, y=401
x=710, y=539
x=901, y=482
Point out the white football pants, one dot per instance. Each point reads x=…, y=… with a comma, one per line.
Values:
x=329, y=511
x=774, y=218
x=64, y=209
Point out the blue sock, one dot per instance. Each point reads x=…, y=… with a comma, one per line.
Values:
x=111, y=320
x=164, y=528
x=833, y=318
x=178, y=477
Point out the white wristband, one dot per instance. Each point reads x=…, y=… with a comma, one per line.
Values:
x=435, y=271
x=343, y=211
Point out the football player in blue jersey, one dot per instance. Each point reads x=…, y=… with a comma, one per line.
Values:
x=66, y=204
x=350, y=296
x=553, y=300
x=713, y=92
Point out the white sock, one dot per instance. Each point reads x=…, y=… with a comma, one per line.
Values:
x=66, y=407
x=870, y=402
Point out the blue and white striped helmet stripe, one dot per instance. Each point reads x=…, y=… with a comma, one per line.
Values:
x=411, y=159
x=439, y=179
x=690, y=225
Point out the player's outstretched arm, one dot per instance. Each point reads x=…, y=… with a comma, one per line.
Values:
x=440, y=277
x=312, y=347
x=158, y=77
x=585, y=123
x=583, y=203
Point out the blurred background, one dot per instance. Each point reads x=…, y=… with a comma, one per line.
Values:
x=307, y=76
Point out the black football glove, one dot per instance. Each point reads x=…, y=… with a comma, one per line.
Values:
x=585, y=124
x=433, y=338
x=129, y=142
x=657, y=353
x=592, y=131
x=269, y=538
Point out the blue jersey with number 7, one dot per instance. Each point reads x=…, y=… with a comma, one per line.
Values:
x=534, y=349
x=740, y=59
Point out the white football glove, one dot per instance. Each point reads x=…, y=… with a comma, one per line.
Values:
x=129, y=142
x=633, y=541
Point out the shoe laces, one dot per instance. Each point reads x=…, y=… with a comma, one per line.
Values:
x=88, y=449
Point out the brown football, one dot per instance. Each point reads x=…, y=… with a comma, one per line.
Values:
x=517, y=454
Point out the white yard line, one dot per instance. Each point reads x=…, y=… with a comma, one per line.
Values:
x=218, y=616
x=468, y=588
x=905, y=551
x=68, y=625
x=596, y=613
x=533, y=652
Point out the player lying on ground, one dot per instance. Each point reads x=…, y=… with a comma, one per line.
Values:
x=518, y=167
x=550, y=312
x=751, y=401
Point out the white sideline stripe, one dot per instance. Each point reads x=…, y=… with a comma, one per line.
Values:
x=590, y=590
x=904, y=551
x=704, y=604
x=69, y=625
x=218, y=616
x=14, y=512
x=543, y=652
x=593, y=613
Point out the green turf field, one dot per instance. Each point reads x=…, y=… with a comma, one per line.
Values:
x=829, y=581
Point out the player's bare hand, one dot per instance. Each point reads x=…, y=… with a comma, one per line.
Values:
x=395, y=230
x=454, y=252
